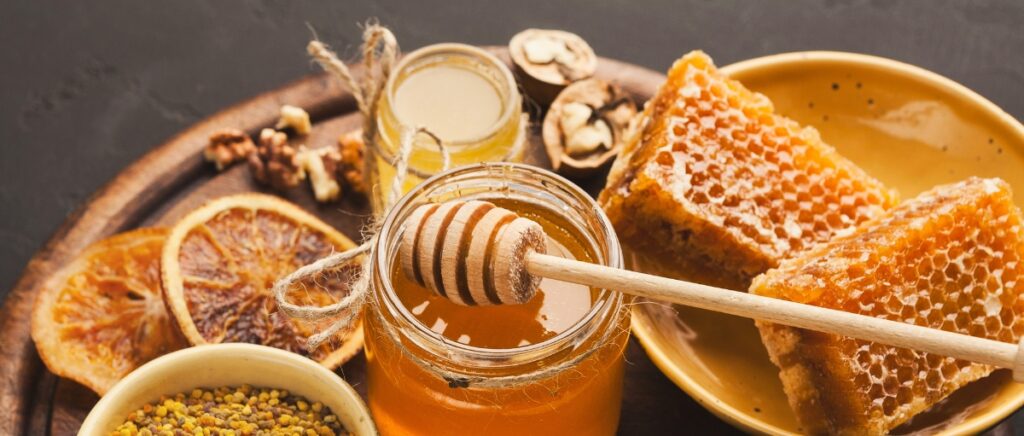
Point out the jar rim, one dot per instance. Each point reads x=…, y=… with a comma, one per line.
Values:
x=510, y=108
x=607, y=302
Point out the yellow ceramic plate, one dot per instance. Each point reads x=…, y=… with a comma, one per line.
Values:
x=906, y=126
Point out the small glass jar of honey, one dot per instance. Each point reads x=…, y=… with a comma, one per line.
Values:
x=462, y=94
x=553, y=365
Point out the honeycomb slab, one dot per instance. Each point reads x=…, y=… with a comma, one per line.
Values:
x=715, y=178
x=949, y=259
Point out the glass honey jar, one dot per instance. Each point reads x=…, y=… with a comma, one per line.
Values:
x=553, y=365
x=462, y=94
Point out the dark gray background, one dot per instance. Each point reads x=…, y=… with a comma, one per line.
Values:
x=88, y=87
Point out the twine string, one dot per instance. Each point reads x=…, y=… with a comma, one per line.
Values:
x=458, y=379
x=375, y=77
x=377, y=70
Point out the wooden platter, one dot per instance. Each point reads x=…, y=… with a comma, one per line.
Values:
x=172, y=179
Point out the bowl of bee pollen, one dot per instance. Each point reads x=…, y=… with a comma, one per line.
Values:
x=230, y=387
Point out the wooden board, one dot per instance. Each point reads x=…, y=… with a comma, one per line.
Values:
x=172, y=179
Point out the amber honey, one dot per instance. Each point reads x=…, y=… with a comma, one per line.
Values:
x=412, y=332
x=556, y=307
x=723, y=180
x=946, y=259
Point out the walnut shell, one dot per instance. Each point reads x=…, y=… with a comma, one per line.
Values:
x=546, y=61
x=609, y=104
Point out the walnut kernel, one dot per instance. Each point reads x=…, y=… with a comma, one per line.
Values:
x=321, y=166
x=295, y=118
x=273, y=163
x=353, y=165
x=228, y=146
x=546, y=61
x=588, y=139
x=545, y=49
x=586, y=126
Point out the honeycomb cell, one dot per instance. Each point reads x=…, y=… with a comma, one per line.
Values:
x=717, y=178
x=967, y=281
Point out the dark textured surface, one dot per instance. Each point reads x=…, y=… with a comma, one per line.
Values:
x=87, y=87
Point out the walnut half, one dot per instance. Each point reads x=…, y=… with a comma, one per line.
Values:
x=586, y=127
x=546, y=61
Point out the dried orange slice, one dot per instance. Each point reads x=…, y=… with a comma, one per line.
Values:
x=102, y=315
x=221, y=261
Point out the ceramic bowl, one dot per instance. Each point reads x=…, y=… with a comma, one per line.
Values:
x=910, y=128
x=228, y=365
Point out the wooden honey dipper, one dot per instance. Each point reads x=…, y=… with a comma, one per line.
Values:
x=475, y=253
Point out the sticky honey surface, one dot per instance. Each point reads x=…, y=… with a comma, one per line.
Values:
x=555, y=308
x=455, y=103
x=948, y=259
x=718, y=177
x=407, y=398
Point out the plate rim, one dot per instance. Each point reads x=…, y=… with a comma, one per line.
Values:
x=642, y=326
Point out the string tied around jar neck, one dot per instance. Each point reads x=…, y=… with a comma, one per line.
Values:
x=380, y=50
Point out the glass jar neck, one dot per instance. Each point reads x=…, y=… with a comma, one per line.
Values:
x=490, y=181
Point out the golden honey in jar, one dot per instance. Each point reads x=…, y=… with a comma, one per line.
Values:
x=465, y=96
x=553, y=365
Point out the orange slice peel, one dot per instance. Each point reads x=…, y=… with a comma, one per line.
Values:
x=221, y=261
x=102, y=315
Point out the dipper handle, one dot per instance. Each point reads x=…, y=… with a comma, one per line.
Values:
x=941, y=342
